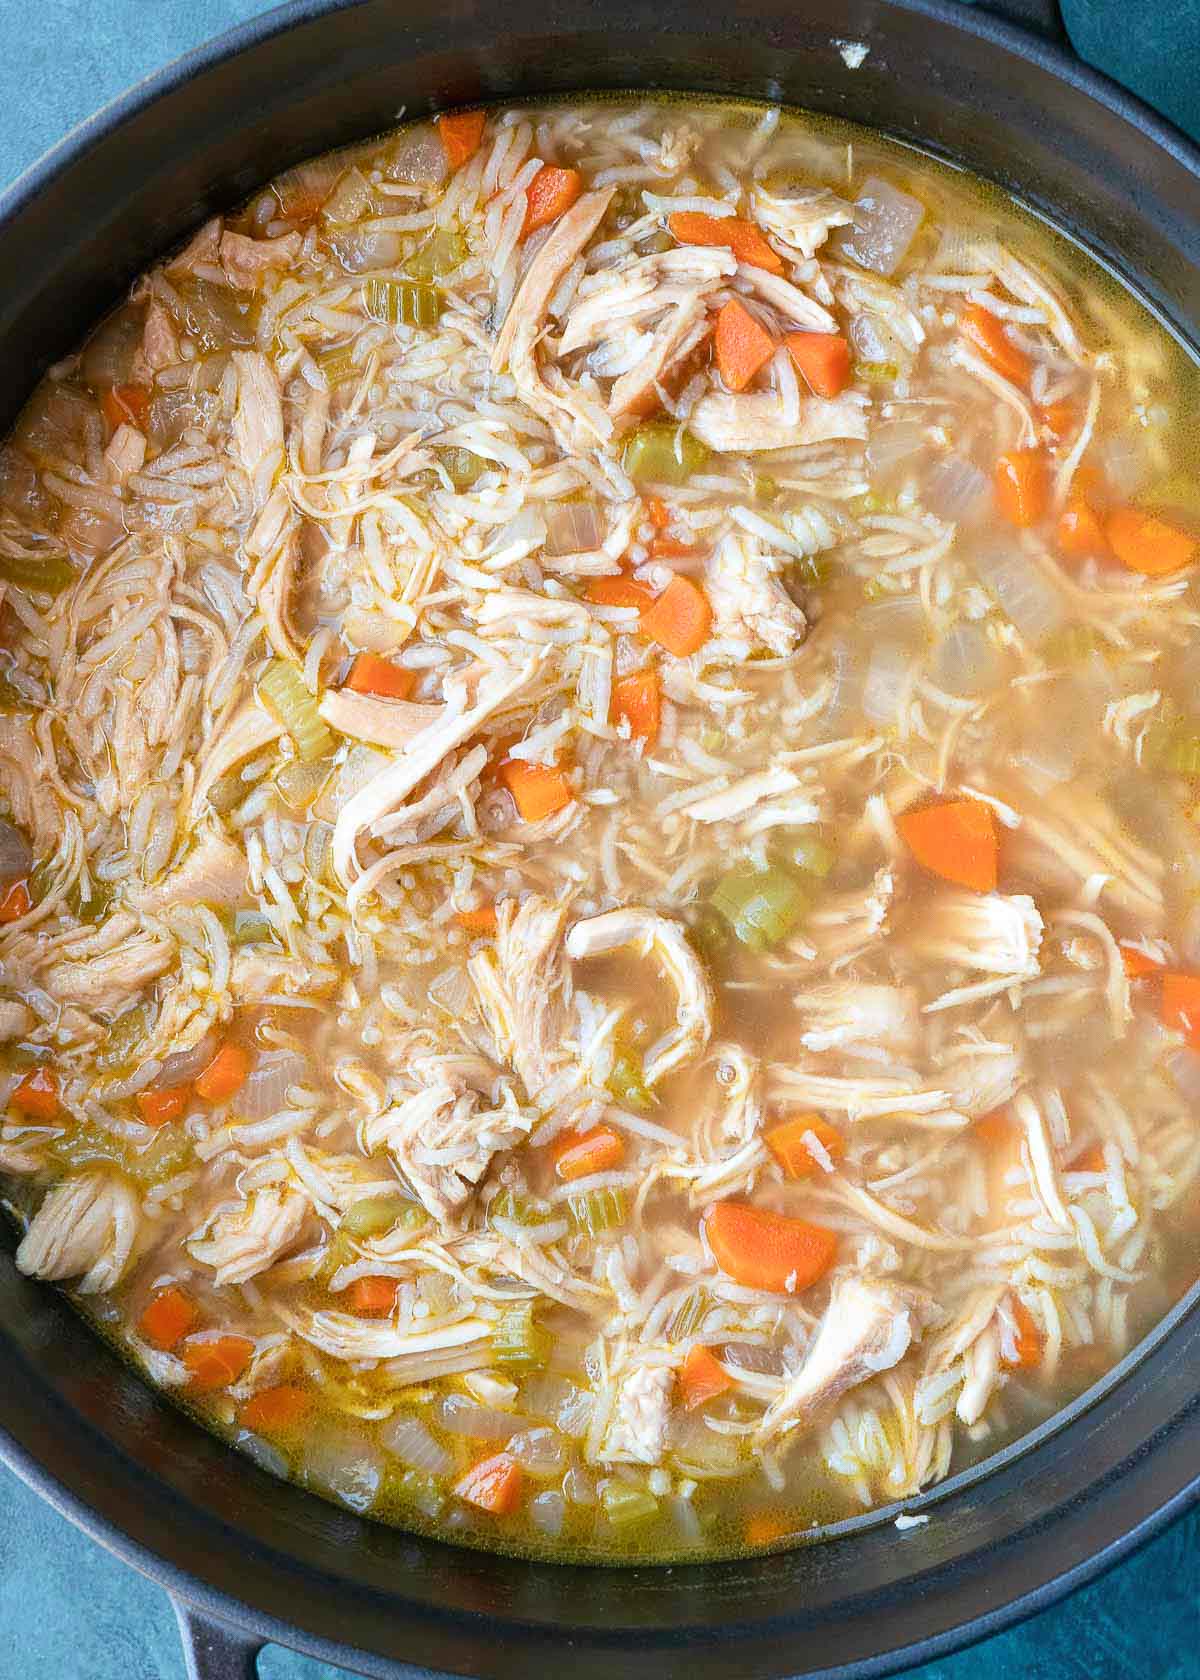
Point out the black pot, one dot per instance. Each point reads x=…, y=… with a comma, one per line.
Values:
x=250, y=1559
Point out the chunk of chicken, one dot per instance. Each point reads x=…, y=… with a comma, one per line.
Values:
x=213, y=872
x=868, y=1327
x=383, y=723
x=795, y=308
x=415, y=1357
x=850, y=1015
x=16, y=1019
x=802, y=221
x=747, y=424
x=159, y=347
x=642, y=1417
x=30, y=800
x=753, y=793
x=257, y=431
x=239, y=1242
x=981, y=1074
x=1070, y=835
x=524, y=988
x=255, y=975
x=750, y=604
x=248, y=732
x=991, y=933
x=273, y=546
x=87, y=1228
x=974, y=1338
x=842, y=925
x=102, y=969
x=247, y=261
x=666, y=940
x=676, y=337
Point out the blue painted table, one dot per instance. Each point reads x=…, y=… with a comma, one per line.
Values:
x=68, y=1611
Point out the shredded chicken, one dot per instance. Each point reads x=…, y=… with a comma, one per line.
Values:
x=524, y=989
x=749, y=424
x=240, y=1242
x=86, y=1229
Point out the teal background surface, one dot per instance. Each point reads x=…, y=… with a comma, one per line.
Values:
x=69, y=1611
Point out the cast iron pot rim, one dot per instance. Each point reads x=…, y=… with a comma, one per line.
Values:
x=57, y=161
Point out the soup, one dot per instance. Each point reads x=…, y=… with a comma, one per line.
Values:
x=600, y=869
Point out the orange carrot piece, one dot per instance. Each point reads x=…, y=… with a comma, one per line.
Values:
x=460, y=133
x=550, y=195
x=1138, y=966
x=787, y=1143
x=538, y=790
x=701, y=1378
x=957, y=840
x=658, y=513
x=1060, y=418
x=680, y=619
x=764, y=1528
x=619, y=592
x=372, y=1297
x=276, y=1411
x=579, y=1155
x=1091, y=1161
x=637, y=699
x=823, y=359
x=37, y=1095
x=985, y=333
x=170, y=1316
x=1144, y=543
x=371, y=675
x=995, y=1128
x=160, y=1106
x=1022, y=487
x=493, y=1484
x=224, y=1075
x=216, y=1362
x=482, y=920
x=742, y=345
x=1079, y=531
x=1003, y=1141
x=670, y=548
x=126, y=405
x=15, y=902
x=1027, y=1354
x=767, y=1250
x=1181, y=1006
x=691, y=227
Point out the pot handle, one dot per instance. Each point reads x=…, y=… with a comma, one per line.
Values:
x=1040, y=17
x=213, y=1649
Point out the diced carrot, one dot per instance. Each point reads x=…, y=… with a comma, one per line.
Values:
x=597, y=1151
x=126, y=405
x=742, y=345
x=15, y=902
x=787, y=1143
x=957, y=840
x=765, y=1250
x=550, y=195
x=680, y=619
x=1181, y=1006
x=372, y=1297
x=692, y=227
x=1027, y=1353
x=1137, y=964
x=823, y=359
x=371, y=675
x=985, y=333
x=1079, y=531
x=166, y=1103
x=701, y=1378
x=37, y=1095
x=1144, y=543
x=494, y=1484
x=482, y=920
x=217, y=1361
x=170, y=1316
x=224, y=1075
x=460, y=133
x=670, y=548
x=1091, y=1161
x=1059, y=418
x=538, y=790
x=658, y=513
x=276, y=1411
x=995, y=1129
x=619, y=592
x=1003, y=1141
x=1022, y=487
x=637, y=699
x=764, y=1528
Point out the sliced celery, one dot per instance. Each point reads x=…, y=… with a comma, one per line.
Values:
x=689, y=1315
x=439, y=256
x=403, y=302
x=520, y=1210
x=47, y=574
x=298, y=784
x=811, y=570
x=374, y=1216
x=89, y=901
x=762, y=906
x=598, y=1210
x=660, y=452
x=625, y=1505
x=518, y=1342
x=627, y=1084
x=463, y=466
x=248, y=927
x=811, y=854
x=338, y=365
x=124, y=1035
x=282, y=691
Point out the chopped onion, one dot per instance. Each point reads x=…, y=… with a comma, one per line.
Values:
x=367, y=248
x=265, y=1091
x=542, y=1452
x=957, y=490
x=186, y=1065
x=894, y=443
x=966, y=661
x=108, y=355
x=573, y=528
x=1019, y=589
x=347, y=1465
x=687, y=1523
x=872, y=340
x=548, y=1513
x=1123, y=463
x=16, y=854
x=579, y=1486
x=751, y=1357
x=884, y=226
x=526, y=529
x=1184, y=1068
x=408, y=1439
x=887, y=674
x=419, y=159
x=1189, y=937
x=460, y=1416
x=266, y=1456
x=698, y=1445
x=349, y=198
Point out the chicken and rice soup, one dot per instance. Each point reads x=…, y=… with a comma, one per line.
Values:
x=600, y=874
